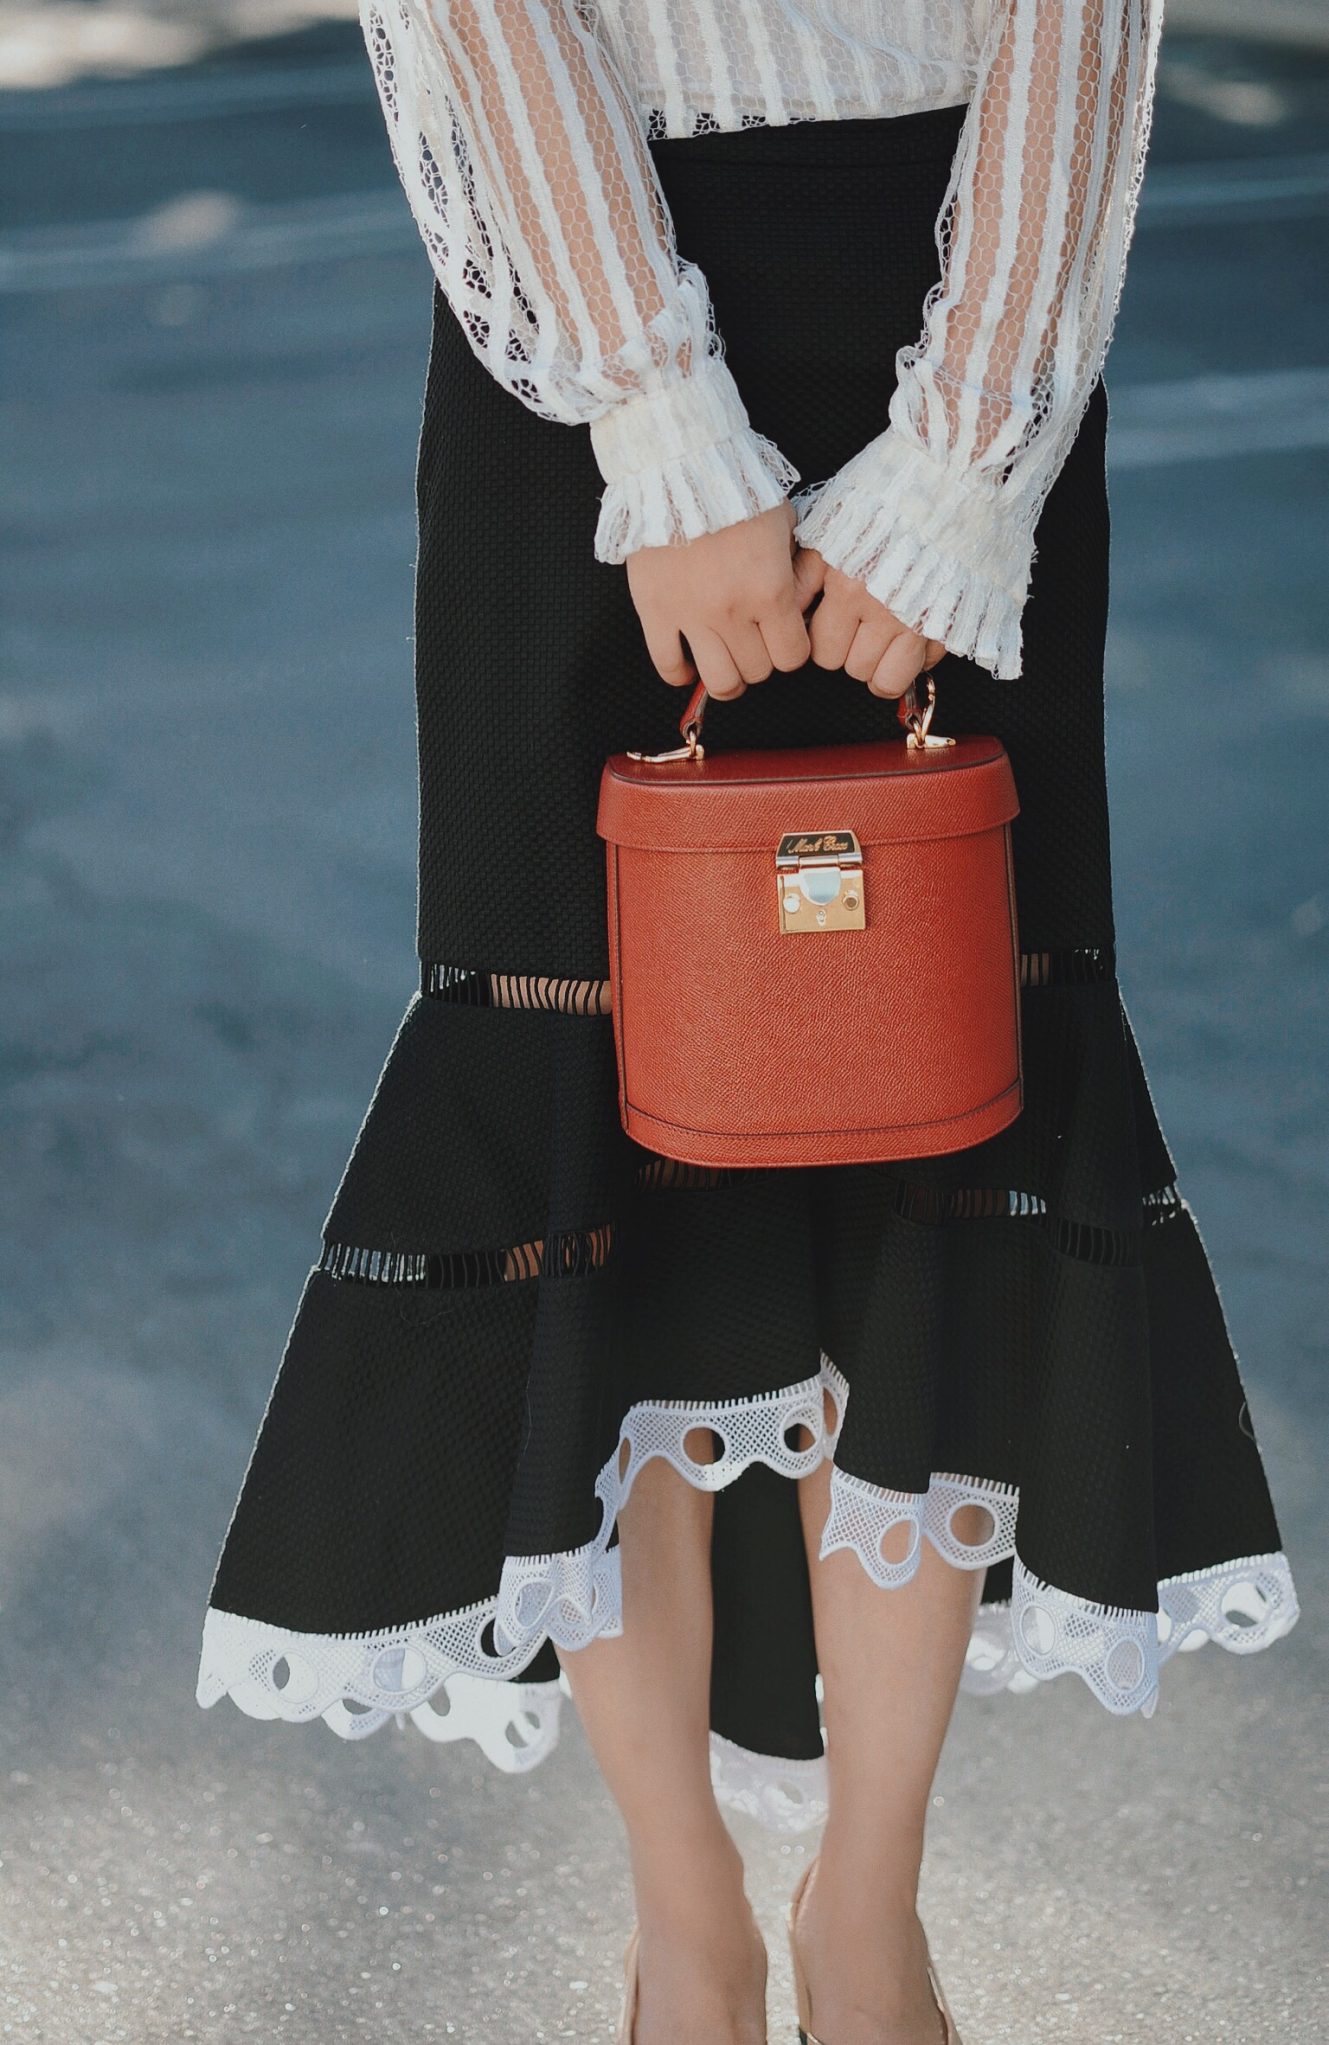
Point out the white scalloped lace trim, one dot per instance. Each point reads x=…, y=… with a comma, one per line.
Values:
x=1243, y=1605
x=450, y=1676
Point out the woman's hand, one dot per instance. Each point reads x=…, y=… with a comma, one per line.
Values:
x=738, y=597
x=851, y=630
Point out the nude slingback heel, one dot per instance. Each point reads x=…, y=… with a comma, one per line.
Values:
x=801, y=1996
x=804, y=2000
x=627, y=2023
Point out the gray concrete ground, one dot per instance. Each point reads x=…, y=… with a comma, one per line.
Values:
x=216, y=316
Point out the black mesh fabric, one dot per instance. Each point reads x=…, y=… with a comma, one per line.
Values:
x=1037, y=1310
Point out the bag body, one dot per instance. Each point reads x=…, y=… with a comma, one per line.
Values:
x=813, y=953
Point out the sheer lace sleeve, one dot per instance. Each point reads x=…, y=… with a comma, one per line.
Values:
x=527, y=169
x=937, y=514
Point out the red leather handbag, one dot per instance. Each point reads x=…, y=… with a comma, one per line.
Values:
x=813, y=953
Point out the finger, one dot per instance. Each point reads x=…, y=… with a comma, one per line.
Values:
x=935, y=652
x=831, y=629
x=715, y=665
x=868, y=646
x=786, y=636
x=809, y=576
x=670, y=657
x=898, y=666
x=747, y=649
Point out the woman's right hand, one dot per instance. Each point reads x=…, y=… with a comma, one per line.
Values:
x=736, y=597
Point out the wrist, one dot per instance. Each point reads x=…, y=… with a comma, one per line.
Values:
x=682, y=460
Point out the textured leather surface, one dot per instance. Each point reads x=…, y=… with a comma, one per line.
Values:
x=881, y=790
x=738, y=1044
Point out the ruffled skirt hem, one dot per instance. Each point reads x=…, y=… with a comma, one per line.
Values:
x=455, y=1676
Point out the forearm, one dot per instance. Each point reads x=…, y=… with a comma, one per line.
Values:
x=937, y=515
x=530, y=177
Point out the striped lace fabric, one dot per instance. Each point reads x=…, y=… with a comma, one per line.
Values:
x=522, y=129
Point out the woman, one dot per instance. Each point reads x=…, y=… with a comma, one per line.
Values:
x=545, y=1390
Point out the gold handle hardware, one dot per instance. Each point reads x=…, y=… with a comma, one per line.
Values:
x=919, y=735
x=819, y=882
x=690, y=726
x=693, y=750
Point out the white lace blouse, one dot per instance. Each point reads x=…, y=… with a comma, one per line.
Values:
x=519, y=128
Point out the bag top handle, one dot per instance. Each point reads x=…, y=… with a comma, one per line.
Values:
x=917, y=723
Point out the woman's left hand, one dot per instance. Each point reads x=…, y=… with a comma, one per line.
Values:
x=849, y=629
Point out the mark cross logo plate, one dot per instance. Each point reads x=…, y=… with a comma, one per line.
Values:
x=819, y=882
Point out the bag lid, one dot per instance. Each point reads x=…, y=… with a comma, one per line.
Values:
x=882, y=790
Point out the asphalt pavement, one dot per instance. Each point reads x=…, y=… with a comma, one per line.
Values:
x=215, y=318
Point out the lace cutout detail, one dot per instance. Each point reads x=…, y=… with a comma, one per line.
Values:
x=569, y=1253
x=452, y=1676
x=937, y=514
x=575, y=1597
x=572, y=1253
x=1075, y=966
x=1113, y=1648
x=1243, y=1605
x=475, y=989
x=862, y=1516
x=931, y=1205
x=782, y=1795
x=523, y=152
x=358, y=1682
x=355, y=1682
x=671, y=1171
x=785, y=1430
x=515, y=1725
x=521, y=133
x=1090, y=1242
x=662, y=123
x=571, y=1599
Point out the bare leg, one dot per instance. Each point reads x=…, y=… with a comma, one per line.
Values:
x=644, y=1700
x=890, y=1662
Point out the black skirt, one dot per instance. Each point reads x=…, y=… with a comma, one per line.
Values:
x=515, y=1305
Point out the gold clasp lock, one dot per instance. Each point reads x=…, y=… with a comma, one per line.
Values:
x=819, y=881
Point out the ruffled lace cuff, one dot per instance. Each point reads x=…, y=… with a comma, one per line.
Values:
x=681, y=461
x=948, y=558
